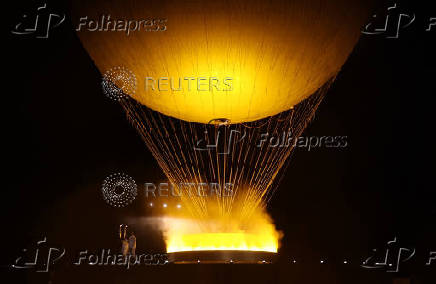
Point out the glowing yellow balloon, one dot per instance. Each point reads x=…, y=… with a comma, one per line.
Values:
x=238, y=60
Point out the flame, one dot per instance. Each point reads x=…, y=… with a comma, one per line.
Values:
x=222, y=241
x=256, y=234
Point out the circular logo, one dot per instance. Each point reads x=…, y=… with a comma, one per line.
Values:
x=118, y=82
x=119, y=190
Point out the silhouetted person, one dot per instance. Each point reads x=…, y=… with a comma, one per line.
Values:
x=132, y=244
x=124, y=247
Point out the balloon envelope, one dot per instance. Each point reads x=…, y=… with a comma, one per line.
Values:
x=238, y=60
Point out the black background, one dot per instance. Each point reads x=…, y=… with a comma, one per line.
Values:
x=62, y=137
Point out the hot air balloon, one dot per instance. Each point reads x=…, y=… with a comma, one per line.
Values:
x=211, y=86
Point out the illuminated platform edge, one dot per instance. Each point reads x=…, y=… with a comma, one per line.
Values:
x=222, y=256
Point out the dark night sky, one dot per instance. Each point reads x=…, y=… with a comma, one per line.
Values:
x=63, y=137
